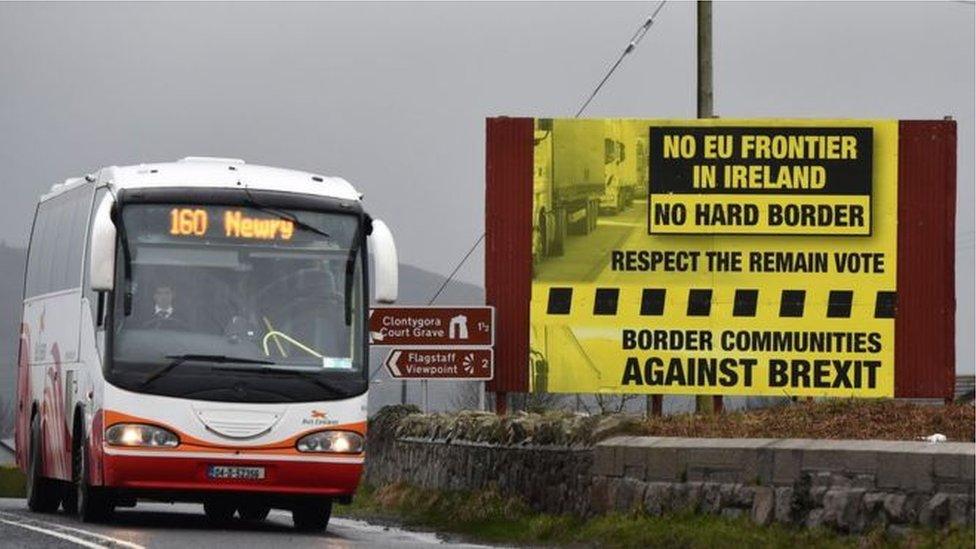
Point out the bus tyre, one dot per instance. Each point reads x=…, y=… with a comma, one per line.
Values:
x=219, y=511
x=312, y=516
x=93, y=504
x=253, y=512
x=42, y=493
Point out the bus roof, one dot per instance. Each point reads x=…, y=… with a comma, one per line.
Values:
x=196, y=171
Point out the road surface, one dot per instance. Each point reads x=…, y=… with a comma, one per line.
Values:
x=586, y=257
x=184, y=525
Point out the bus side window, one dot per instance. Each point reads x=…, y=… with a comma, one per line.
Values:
x=39, y=266
x=96, y=300
x=80, y=205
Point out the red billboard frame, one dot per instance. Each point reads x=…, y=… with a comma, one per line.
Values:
x=925, y=313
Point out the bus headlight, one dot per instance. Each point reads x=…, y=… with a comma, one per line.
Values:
x=138, y=434
x=337, y=442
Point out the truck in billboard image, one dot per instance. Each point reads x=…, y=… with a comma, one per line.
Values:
x=568, y=181
x=621, y=167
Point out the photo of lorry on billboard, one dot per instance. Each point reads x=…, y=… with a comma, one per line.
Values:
x=751, y=257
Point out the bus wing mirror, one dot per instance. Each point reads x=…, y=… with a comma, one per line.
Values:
x=101, y=271
x=385, y=262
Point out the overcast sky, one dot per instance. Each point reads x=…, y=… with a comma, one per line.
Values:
x=393, y=96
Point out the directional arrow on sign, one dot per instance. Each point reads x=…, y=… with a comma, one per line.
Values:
x=446, y=363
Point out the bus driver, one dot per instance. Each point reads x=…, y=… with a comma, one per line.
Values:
x=163, y=316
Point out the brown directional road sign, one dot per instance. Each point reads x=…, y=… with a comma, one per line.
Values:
x=447, y=363
x=432, y=326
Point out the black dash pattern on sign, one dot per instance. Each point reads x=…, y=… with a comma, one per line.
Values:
x=745, y=303
x=886, y=305
x=839, y=303
x=652, y=302
x=605, y=301
x=791, y=303
x=560, y=301
x=699, y=302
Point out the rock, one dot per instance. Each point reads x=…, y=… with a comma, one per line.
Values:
x=763, y=505
x=732, y=513
x=817, y=495
x=935, y=511
x=658, y=498
x=873, y=501
x=615, y=424
x=711, y=501
x=687, y=496
x=897, y=530
x=843, y=508
x=864, y=481
x=727, y=492
x=874, y=508
x=600, y=495
x=784, y=505
x=840, y=481
x=958, y=509
x=629, y=494
x=821, y=479
x=743, y=495
x=814, y=519
x=896, y=507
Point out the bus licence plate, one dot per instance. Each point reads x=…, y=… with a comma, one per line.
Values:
x=241, y=473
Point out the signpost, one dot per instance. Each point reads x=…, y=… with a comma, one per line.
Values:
x=440, y=343
x=432, y=326
x=447, y=363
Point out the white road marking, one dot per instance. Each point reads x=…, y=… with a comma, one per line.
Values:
x=402, y=536
x=52, y=533
x=608, y=222
x=69, y=537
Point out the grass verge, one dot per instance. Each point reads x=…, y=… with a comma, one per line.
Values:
x=488, y=517
x=12, y=483
x=827, y=419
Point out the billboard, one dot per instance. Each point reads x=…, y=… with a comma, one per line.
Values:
x=737, y=257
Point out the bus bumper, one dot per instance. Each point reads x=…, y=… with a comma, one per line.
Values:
x=125, y=470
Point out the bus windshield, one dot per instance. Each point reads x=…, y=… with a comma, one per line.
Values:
x=238, y=303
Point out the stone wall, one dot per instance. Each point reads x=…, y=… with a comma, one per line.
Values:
x=849, y=486
x=473, y=451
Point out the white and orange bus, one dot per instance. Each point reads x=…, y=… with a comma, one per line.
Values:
x=195, y=331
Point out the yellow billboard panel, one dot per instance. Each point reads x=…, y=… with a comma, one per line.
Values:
x=748, y=257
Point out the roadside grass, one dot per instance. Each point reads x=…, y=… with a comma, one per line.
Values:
x=12, y=483
x=488, y=517
x=880, y=419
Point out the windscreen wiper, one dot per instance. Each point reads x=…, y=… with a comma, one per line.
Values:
x=304, y=375
x=281, y=214
x=180, y=359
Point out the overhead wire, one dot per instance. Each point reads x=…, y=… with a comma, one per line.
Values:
x=631, y=46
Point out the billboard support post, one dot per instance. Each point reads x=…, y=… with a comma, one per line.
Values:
x=704, y=404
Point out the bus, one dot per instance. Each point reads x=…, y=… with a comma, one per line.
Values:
x=196, y=331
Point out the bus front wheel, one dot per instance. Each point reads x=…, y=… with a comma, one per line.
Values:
x=312, y=516
x=92, y=503
x=219, y=510
x=43, y=495
x=253, y=512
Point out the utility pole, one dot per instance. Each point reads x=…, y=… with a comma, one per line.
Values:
x=705, y=59
x=705, y=403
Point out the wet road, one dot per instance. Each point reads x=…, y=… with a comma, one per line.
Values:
x=184, y=525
